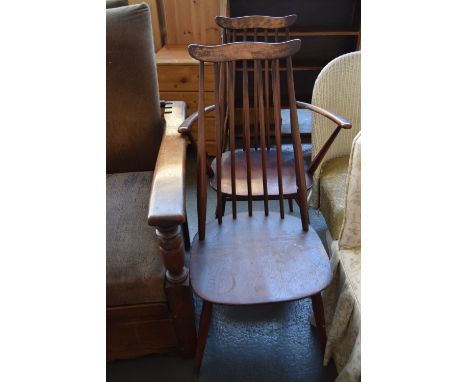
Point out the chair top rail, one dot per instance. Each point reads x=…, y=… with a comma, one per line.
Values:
x=237, y=51
x=248, y=22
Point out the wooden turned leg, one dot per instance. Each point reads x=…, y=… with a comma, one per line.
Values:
x=177, y=287
x=205, y=320
x=319, y=315
x=290, y=202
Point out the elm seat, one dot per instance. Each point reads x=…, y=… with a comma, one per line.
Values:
x=275, y=261
x=332, y=193
x=135, y=273
x=288, y=173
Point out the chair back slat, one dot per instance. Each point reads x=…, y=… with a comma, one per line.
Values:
x=219, y=140
x=259, y=85
x=246, y=121
x=232, y=134
x=201, y=155
x=267, y=97
x=277, y=119
x=236, y=169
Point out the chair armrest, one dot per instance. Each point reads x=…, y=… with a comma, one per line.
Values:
x=340, y=121
x=185, y=126
x=167, y=198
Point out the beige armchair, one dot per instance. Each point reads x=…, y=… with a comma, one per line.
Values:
x=342, y=299
x=338, y=89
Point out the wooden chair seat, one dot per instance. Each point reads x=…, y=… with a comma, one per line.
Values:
x=288, y=174
x=258, y=259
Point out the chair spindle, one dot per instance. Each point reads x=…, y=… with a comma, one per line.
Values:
x=277, y=119
x=201, y=155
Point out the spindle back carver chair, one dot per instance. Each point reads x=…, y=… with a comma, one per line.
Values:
x=259, y=29
x=262, y=257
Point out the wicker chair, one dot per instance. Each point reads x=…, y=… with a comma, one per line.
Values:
x=338, y=89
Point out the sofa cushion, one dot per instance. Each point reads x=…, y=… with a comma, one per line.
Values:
x=351, y=230
x=332, y=193
x=134, y=269
x=133, y=116
x=351, y=262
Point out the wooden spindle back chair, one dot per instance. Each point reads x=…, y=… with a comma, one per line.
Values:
x=262, y=257
x=264, y=29
x=253, y=28
x=224, y=58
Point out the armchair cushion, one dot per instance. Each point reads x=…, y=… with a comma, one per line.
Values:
x=133, y=115
x=135, y=273
x=332, y=193
x=351, y=230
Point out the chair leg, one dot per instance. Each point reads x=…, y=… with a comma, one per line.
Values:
x=224, y=205
x=308, y=217
x=185, y=230
x=319, y=315
x=290, y=202
x=205, y=320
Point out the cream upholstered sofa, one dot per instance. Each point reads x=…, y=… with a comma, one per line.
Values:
x=338, y=88
x=342, y=299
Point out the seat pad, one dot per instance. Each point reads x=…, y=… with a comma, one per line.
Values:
x=332, y=193
x=258, y=259
x=134, y=269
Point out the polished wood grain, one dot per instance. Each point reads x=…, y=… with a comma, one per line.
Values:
x=265, y=22
x=258, y=259
x=244, y=51
x=167, y=197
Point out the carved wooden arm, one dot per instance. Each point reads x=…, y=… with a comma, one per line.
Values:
x=185, y=128
x=167, y=213
x=167, y=199
x=341, y=123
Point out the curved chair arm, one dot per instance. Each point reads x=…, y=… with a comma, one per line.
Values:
x=185, y=129
x=167, y=198
x=341, y=123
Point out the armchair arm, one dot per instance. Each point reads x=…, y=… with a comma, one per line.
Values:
x=167, y=198
x=341, y=123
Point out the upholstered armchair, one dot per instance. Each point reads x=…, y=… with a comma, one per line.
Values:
x=342, y=299
x=338, y=89
x=149, y=301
